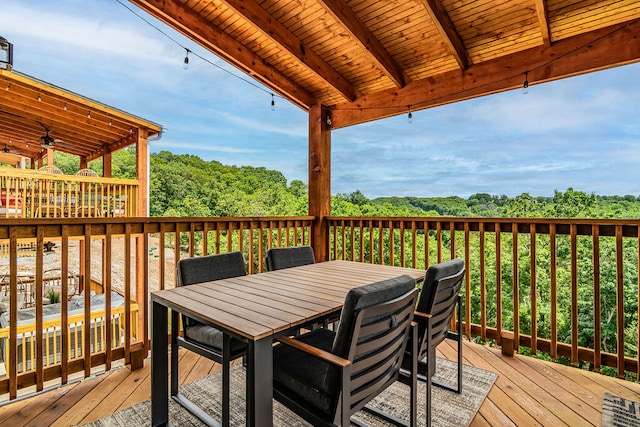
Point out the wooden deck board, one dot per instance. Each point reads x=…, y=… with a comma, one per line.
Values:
x=528, y=391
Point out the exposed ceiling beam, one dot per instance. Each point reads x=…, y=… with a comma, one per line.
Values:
x=195, y=27
x=279, y=34
x=597, y=50
x=365, y=38
x=543, y=18
x=448, y=32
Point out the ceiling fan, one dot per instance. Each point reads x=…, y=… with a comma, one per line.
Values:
x=7, y=150
x=49, y=142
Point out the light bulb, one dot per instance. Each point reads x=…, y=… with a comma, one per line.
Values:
x=410, y=116
x=186, y=61
x=525, y=85
x=273, y=103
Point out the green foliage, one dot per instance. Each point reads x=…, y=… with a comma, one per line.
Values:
x=53, y=296
x=187, y=186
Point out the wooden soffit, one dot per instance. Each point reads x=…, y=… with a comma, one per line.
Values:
x=368, y=59
x=76, y=124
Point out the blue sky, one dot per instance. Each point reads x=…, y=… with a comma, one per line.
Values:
x=582, y=132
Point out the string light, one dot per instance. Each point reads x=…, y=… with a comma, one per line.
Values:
x=65, y=106
x=410, y=116
x=39, y=99
x=246, y=80
x=110, y=121
x=273, y=103
x=186, y=60
x=89, y=115
x=8, y=86
x=329, y=118
x=525, y=85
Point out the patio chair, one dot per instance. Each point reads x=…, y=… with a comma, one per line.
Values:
x=325, y=377
x=206, y=340
x=294, y=256
x=438, y=299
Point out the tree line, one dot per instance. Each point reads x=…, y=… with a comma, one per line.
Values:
x=186, y=185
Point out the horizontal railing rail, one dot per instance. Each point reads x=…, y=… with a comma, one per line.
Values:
x=132, y=256
x=34, y=194
x=567, y=287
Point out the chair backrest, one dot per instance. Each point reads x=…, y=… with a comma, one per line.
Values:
x=206, y=268
x=294, y=256
x=372, y=333
x=438, y=298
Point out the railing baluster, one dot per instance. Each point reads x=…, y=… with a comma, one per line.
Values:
x=37, y=287
x=372, y=241
x=361, y=223
x=402, y=245
x=86, y=329
x=574, y=294
x=427, y=255
x=533, y=292
x=352, y=242
x=380, y=243
x=498, y=282
x=108, y=247
x=452, y=238
x=553, y=292
x=251, y=246
x=483, y=284
x=467, y=281
x=620, y=301
x=597, y=314
x=65, y=339
x=439, y=240
x=515, y=253
x=414, y=241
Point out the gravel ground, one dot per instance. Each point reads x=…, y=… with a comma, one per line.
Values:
x=52, y=261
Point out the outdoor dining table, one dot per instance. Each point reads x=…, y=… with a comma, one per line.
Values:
x=256, y=309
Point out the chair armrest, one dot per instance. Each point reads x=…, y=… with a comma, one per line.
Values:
x=421, y=316
x=315, y=351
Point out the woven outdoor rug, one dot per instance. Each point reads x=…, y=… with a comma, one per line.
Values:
x=620, y=412
x=449, y=408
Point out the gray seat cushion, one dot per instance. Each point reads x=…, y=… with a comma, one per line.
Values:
x=211, y=337
x=304, y=374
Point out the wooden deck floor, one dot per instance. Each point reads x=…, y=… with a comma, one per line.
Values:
x=528, y=392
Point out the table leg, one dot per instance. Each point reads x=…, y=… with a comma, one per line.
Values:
x=159, y=366
x=260, y=383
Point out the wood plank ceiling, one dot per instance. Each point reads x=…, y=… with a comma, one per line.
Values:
x=368, y=59
x=76, y=124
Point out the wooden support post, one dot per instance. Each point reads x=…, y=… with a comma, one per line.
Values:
x=508, y=343
x=320, y=178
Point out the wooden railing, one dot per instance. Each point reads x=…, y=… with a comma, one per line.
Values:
x=132, y=256
x=562, y=286
x=547, y=270
x=75, y=344
x=31, y=194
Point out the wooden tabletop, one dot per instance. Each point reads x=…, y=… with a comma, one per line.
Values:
x=259, y=305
